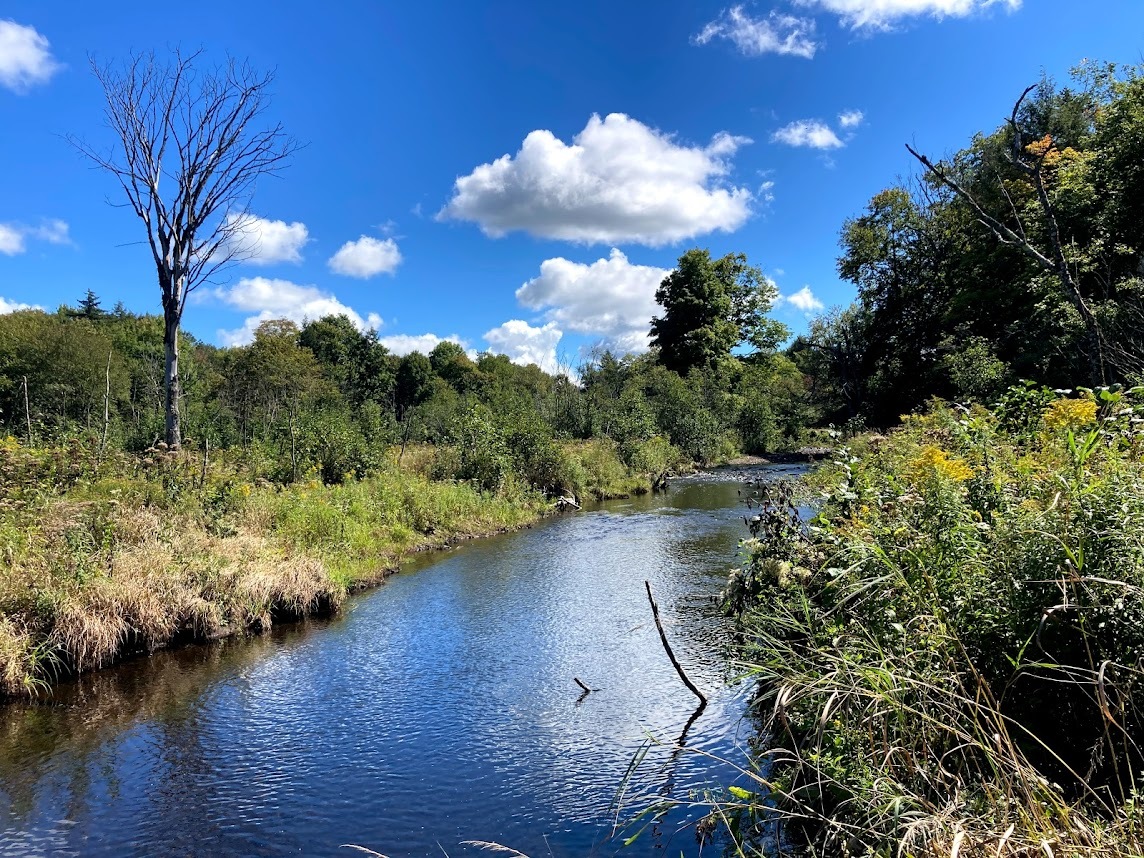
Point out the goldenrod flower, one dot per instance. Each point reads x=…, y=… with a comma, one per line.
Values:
x=934, y=461
x=1070, y=413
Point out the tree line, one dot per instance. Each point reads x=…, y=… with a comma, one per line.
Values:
x=327, y=398
x=1021, y=256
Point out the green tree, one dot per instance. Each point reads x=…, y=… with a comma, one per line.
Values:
x=450, y=363
x=414, y=383
x=710, y=306
x=275, y=384
x=89, y=307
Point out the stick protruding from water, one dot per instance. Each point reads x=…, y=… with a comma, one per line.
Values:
x=667, y=648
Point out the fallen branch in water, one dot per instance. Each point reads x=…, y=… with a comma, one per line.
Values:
x=576, y=679
x=667, y=647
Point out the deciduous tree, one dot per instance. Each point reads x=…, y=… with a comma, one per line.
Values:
x=709, y=307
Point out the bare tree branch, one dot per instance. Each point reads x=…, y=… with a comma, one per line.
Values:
x=187, y=157
x=1031, y=163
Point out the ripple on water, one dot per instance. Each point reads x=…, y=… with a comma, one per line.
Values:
x=439, y=708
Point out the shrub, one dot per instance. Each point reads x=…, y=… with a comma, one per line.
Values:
x=950, y=650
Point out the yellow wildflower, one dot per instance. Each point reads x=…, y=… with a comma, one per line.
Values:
x=934, y=461
x=1070, y=413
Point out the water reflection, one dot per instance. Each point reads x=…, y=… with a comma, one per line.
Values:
x=440, y=708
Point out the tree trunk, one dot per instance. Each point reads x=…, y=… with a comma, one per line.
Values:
x=106, y=409
x=27, y=411
x=171, y=378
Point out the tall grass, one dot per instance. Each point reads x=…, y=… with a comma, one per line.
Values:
x=950, y=654
x=107, y=556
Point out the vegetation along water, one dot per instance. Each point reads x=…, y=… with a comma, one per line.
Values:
x=946, y=652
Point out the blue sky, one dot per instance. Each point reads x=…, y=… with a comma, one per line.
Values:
x=519, y=176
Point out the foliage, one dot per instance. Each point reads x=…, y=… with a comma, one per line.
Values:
x=949, y=651
x=709, y=307
x=952, y=307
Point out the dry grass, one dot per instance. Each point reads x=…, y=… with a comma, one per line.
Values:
x=160, y=581
x=135, y=563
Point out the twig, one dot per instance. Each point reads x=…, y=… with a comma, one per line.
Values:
x=587, y=690
x=667, y=647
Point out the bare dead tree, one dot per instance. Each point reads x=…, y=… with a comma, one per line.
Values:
x=187, y=155
x=1031, y=161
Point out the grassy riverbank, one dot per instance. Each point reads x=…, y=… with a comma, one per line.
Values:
x=951, y=654
x=103, y=558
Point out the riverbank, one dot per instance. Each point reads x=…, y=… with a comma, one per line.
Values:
x=114, y=555
x=108, y=559
x=949, y=655
x=457, y=671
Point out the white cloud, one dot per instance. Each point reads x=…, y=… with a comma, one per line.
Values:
x=775, y=34
x=261, y=241
x=281, y=299
x=366, y=257
x=14, y=236
x=25, y=58
x=883, y=14
x=611, y=298
x=53, y=231
x=11, y=240
x=851, y=118
x=526, y=345
x=811, y=133
x=804, y=300
x=619, y=181
x=403, y=344
x=16, y=306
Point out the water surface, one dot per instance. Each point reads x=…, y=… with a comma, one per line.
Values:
x=437, y=709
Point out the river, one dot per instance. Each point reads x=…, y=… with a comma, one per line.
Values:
x=437, y=709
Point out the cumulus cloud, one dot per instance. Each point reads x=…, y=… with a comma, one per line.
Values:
x=610, y=298
x=366, y=257
x=525, y=344
x=775, y=34
x=883, y=14
x=811, y=133
x=16, y=306
x=261, y=241
x=803, y=300
x=618, y=181
x=851, y=118
x=403, y=344
x=14, y=236
x=25, y=57
x=281, y=299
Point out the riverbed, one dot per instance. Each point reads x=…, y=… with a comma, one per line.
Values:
x=438, y=709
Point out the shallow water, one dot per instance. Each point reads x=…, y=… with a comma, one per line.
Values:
x=437, y=709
